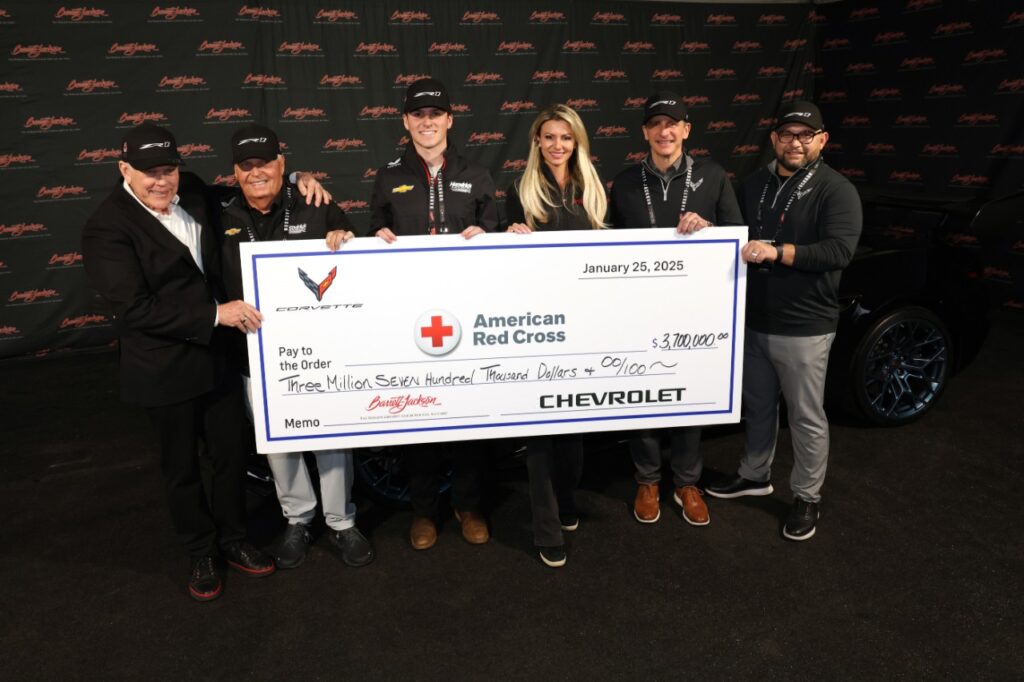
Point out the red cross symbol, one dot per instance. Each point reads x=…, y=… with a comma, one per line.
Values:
x=436, y=331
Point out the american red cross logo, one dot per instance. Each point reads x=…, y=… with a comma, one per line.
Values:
x=436, y=331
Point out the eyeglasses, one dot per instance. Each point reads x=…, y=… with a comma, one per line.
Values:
x=786, y=136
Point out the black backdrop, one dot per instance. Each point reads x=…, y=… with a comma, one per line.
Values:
x=922, y=94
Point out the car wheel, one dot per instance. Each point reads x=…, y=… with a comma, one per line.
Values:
x=901, y=366
x=383, y=476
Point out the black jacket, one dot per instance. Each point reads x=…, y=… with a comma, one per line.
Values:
x=400, y=195
x=236, y=224
x=568, y=213
x=164, y=305
x=824, y=222
x=711, y=196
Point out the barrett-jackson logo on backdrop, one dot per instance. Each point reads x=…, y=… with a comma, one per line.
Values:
x=49, y=124
x=17, y=162
x=809, y=67
x=635, y=157
x=84, y=321
x=608, y=132
x=126, y=120
x=917, y=63
x=746, y=150
x=335, y=16
x=879, y=149
x=720, y=73
x=340, y=81
x=263, y=14
x=721, y=126
x=479, y=17
x=919, y=5
x=519, y=106
x=885, y=94
x=516, y=47
x=745, y=46
x=1004, y=151
x=81, y=15
x=32, y=296
x=833, y=44
x=343, y=144
x=92, y=86
x=910, y=121
x=9, y=332
x=447, y=50
x=905, y=177
x=700, y=152
x=5, y=17
x=579, y=47
x=299, y=49
x=582, y=104
x=890, y=37
x=378, y=113
x=697, y=101
x=177, y=14
x=38, y=52
x=939, y=149
x=221, y=48
x=947, y=90
x=226, y=180
x=987, y=56
x=548, y=77
x=720, y=20
x=977, y=120
x=631, y=103
x=665, y=19
x=794, y=44
x=134, y=51
x=460, y=110
x=771, y=72
x=771, y=20
x=375, y=50
x=403, y=141
x=610, y=76
x=638, y=47
x=863, y=13
x=694, y=47
x=833, y=96
x=609, y=18
x=59, y=261
x=860, y=69
x=969, y=180
x=195, y=151
x=19, y=230
x=181, y=84
x=545, y=17
x=255, y=81
x=1008, y=87
x=834, y=147
x=227, y=115
x=666, y=75
x=410, y=18
x=91, y=157
x=9, y=89
x=1014, y=20
x=788, y=95
x=513, y=166
x=303, y=115
x=485, y=139
x=953, y=28
x=404, y=80
x=855, y=122
x=47, y=194
x=746, y=99
x=766, y=122
x=369, y=175
x=475, y=78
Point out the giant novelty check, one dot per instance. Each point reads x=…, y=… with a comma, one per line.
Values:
x=441, y=338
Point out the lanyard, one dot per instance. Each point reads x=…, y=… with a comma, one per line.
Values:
x=647, y=192
x=287, y=216
x=436, y=181
x=811, y=170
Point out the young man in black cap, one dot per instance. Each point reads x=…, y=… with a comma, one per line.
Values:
x=431, y=189
x=267, y=207
x=805, y=220
x=669, y=188
x=149, y=250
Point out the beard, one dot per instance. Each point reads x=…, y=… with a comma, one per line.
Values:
x=809, y=158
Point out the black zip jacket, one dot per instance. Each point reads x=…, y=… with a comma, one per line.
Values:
x=711, y=196
x=824, y=222
x=401, y=201
x=236, y=222
x=567, y=214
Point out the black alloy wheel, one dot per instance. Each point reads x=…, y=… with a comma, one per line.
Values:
x=383, y=476
x=901, y=366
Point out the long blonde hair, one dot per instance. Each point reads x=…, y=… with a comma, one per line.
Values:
x=532, y=186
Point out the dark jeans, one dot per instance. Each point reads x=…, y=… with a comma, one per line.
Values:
x=555, y=465
x=687, y=463
x=425, y=464
x=204, y=519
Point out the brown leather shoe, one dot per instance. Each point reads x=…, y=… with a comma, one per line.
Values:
x=474, y=528
x=695, y=512
x=422, y=533
x=645, y=507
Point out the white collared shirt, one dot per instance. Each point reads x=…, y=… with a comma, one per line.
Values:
x=179, y=223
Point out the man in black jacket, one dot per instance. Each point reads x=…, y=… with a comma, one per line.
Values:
x=805, y=220
x=431, y=189
x=669, y=188
x=149, y=251
x=266, y=207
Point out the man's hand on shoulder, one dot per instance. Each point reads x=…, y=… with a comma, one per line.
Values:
x=310, y=188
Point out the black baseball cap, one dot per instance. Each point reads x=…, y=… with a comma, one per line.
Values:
x=427, y=92
x=800, y=111
x=147, y=146
x=254, y=142
x=665, y=103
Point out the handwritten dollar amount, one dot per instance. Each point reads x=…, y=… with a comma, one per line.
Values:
x=674, y=341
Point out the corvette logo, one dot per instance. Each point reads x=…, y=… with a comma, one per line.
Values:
x=401, y=189
x=319, y=289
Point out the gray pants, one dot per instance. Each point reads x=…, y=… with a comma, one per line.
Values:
x=796, y=365
x=687, y=464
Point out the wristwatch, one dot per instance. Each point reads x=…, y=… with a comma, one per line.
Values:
x=778, y=253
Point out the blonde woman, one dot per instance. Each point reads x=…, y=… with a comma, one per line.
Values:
x=559, y=190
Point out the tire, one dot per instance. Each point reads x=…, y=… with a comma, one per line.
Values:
x=901, y=366
x=381, y=474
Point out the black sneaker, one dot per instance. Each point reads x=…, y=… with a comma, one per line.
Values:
x=290, y=550
x=245, y=558
x=354, y=547
x=204, y=583
x=801, y=520
x=569, y=522
x=737, y=486
x=553, y=556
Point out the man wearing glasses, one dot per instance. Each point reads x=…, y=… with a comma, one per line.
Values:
x=804, y=220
